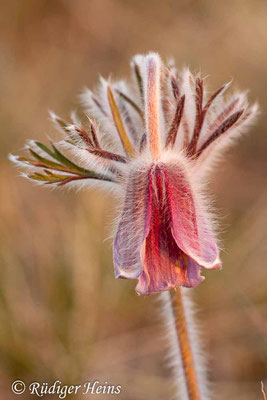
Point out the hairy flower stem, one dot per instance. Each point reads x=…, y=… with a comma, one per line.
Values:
x=182, y=333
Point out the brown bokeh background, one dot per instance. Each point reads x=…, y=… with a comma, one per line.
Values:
x=62, y=314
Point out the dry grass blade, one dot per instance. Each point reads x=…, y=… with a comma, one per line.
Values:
x=119, y=124
x=263, y=391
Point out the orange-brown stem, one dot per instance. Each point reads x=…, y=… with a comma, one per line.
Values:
x=184, y=344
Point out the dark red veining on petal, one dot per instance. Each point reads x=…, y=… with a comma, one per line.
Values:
x=164, y=236
x=179, y=195
x=191, y=226
x=165, y=265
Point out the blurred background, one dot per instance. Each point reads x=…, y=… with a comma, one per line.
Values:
x=62, y=314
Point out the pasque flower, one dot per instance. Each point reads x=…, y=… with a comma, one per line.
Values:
x=153, y=141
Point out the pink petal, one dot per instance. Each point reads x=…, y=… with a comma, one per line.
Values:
x=191, y=227
x=165, y=266
x=133, y=227
x=163, y=237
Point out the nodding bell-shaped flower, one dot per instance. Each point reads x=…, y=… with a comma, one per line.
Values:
x=153, y=142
